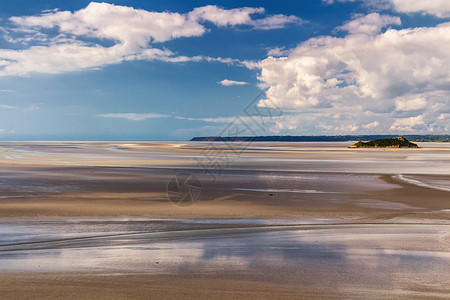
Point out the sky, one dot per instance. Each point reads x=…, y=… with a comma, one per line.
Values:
x=172, y=70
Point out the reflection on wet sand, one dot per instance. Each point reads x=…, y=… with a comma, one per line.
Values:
x=337, y=259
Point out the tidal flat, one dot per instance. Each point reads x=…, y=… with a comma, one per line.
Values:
x=265, y=220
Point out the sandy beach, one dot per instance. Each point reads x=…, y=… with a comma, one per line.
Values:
x=269, y=220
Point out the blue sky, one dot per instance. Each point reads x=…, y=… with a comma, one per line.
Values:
x=171, y=70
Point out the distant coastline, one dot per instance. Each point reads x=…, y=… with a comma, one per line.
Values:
x=320, y=138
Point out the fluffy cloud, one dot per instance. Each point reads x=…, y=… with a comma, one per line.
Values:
x=79, y=41
x=277, y=51
x=415, y=103
x=133, y=116
x=224, y=17
x=227, y=82
x=396, y=80
x=437, y=8
x=371, y=125
x=133, y=27
x=408, y=124
x=241, y=16
x=369, y=24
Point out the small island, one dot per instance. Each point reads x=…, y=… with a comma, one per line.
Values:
x=400, y=142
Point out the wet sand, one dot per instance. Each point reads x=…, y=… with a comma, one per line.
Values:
x=273, y=220
x=296, y=261
x=112, y=192
x=322, y=261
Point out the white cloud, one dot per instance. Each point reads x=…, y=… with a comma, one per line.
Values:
x=445, y=116
x=250, y=64
x=238, y=125
x=133, y=31
x=414, y=103
x=169, y=56
x=437, y=8
x=372, y=125
x=224, y=17
x=4, y=131
x=227, y=82
x=277, y=51
x=5, y=106
x=34, y=107
x=241, y=16
x=132, y=27
x=408, y=124
x=275, y=22
x=347, y=128
x=212, y=120
x=399, y=79
x=133, y=116
x=369, y=24
x=248, y=121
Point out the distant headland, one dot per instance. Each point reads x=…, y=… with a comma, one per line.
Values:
x=400, y=142
x=320, y=138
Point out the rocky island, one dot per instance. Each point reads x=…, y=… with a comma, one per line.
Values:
x=400, y=142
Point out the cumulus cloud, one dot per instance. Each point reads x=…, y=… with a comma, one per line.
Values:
x=415, y=103
x=369, y=24
x=133, y=116
x=224, y=17
x=437, y=8
x=133, y=27
x=227, y=82
x=78, y=42
x=396, y=80
x=371, y=125
x=408, y=124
